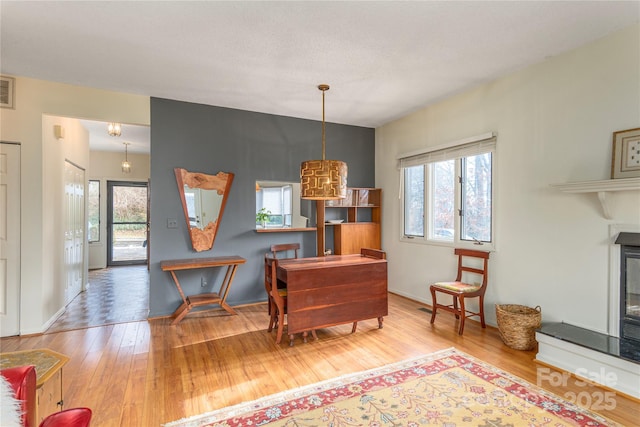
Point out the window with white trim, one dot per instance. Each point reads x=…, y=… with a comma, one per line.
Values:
x=447, y=193
x=93, y=211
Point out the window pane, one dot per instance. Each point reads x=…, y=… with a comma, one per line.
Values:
x=129, y=204
x=414, y=201
x=272, y=200
x=287, y=197
x=94, y=211
x=442, y=200
x=476, y=197
x=129, y=242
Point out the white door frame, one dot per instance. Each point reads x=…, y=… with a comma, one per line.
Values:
x=9, y=239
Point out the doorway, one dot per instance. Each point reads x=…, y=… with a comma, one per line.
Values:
x=127, y=223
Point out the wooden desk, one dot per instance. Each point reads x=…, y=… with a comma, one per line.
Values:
x=220, y=297
x=332, y=290
x=48, y=366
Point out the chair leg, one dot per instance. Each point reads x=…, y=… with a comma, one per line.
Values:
x=272, y=317
x=455, y=307
x=434, y=304
x=481, y=311
x=462, y=314
x=280, y=321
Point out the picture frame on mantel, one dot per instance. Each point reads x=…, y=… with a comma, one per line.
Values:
x=625, y=160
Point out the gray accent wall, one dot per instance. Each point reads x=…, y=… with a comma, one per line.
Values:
x=252, y=146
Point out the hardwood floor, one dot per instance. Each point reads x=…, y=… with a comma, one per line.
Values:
x=149, y=373
x=115, y=295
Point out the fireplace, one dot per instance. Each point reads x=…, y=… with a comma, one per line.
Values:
x=615, y=353
x=629, y=285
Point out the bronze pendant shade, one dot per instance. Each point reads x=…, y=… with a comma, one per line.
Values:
x=323, y=179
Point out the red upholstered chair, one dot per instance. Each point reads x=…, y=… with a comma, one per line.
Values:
x=23, y=381
x=75, y=417
x=460, y=290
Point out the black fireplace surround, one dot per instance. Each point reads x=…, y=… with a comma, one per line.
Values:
x=629, y=285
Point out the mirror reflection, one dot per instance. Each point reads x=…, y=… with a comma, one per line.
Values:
x=203, y=199
x=278, y=205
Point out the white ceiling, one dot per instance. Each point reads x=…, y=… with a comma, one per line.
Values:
x=383, y=60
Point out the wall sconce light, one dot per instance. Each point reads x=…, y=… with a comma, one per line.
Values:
x=114, y=129
x=126, y=166
x=58, y=131
x=323, y=179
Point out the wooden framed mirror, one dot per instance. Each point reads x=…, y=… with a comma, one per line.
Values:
x=203, y=200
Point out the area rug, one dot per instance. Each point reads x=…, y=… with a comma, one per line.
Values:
x=447, y=388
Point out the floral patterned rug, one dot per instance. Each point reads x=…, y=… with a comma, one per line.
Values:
x=447, y=388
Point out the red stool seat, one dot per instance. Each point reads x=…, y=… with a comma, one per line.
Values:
x=74, y=417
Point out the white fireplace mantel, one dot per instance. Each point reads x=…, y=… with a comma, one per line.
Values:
x=601, y=188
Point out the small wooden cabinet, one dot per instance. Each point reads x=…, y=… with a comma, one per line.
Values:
x=49, y=396
x=361, y=215
x=48, y=364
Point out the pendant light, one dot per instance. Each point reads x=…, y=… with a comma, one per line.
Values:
x=323, y=179
x=126, y=166
x=114, y=129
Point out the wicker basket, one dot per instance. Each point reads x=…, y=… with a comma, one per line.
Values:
x=517, y=325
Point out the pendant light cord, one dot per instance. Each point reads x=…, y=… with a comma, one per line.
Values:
x=323, y=142
x=323, y=88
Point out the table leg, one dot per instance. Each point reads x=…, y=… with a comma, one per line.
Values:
x=204, y=299
x=225, y=286
x=184, y=308
x=180, y=312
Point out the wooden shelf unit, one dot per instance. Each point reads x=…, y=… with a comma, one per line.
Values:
x=355, y=233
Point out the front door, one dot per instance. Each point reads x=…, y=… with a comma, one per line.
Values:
x=9, y=239
x=126, y=223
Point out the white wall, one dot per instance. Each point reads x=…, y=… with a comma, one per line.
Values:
x=41, y=169
x=106, y=166
x=554, y=122
x=74, y=147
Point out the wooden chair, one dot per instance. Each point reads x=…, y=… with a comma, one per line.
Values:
x=278, y=299
x=460, y=290
x=285, y=250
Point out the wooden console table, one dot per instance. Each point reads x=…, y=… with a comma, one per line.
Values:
x=48, y=366
x=220, y=297
x=333, y=290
